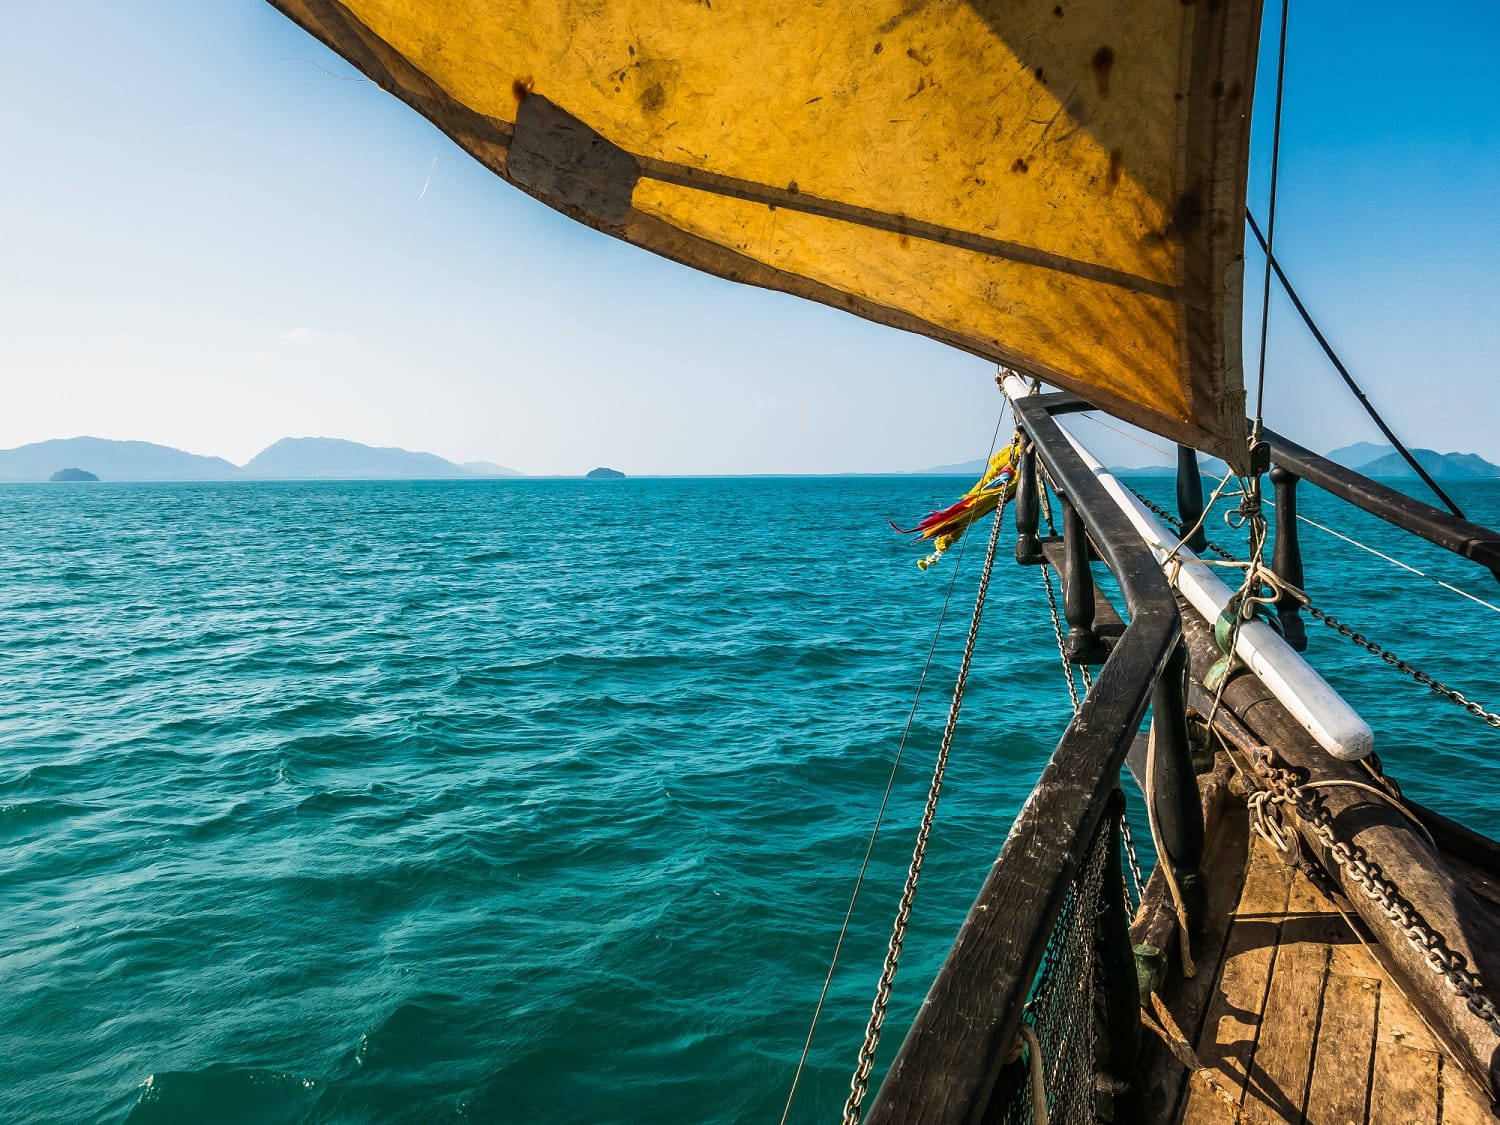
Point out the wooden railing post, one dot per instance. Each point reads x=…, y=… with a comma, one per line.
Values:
x=1115, y=1055
x=1190, y=498
x=1286, y=557
x=1176, y=803
x=1028, y=507
x=1083, y=645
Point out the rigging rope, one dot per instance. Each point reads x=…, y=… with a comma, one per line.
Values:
x=1398, y=562
x=1287, y=788
x=1164, y=859
x=890, y=784
x=1338, y=365
x=1026, y=1034
x=1265, y=296
x=1437, y=686
x=1088, y=417
x=860, y=1083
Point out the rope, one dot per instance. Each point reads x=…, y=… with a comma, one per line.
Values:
x=1265, y=298
x=860, y=1083
x=1184, y=534
x=1164, y=859
x=1316, y=823
x=1165, y=1028
x=1255, y=569
x=1338, y=365
x=1262, y=797
x=1027, y=1035
x=1438, y=687
x=884, y=802
x=1402, y=565
x=1176, y=524
x=1128, y=435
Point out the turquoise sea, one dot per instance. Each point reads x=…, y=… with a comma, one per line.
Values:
x=521, y=800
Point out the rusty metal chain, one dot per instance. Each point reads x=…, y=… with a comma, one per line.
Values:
x=1375, y=648
x=859, y=1085
x=1176, y=525
x=1136, y=879
x=1406, y=669
x=1288, y=788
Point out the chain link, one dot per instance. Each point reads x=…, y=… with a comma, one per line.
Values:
x=1176, y=525
x=1352, y=859
x=1287, y=787
x=1136, y=878
x=859, y=1085
x=1437, y=686
x=1405, y=668
x=1062, y=649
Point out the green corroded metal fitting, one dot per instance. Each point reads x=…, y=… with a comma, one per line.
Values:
x=1150, y=970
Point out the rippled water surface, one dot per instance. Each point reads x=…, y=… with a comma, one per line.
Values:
x=530, y=800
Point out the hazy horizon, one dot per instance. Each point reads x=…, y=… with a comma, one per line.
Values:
x=330, y=448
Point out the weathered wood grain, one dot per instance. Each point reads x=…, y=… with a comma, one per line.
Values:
x=1232, y=1023
x=1162, y=1076
x=1404, y=1080
x=1281, y=1066
x=1402, y=855
x=1339, y=1093
x=1462, y=1103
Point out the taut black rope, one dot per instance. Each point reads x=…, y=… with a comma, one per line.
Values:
x=1338, y=365
x=1265, y=294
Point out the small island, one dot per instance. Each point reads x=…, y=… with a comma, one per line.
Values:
x=72, y=474
x=602, y=473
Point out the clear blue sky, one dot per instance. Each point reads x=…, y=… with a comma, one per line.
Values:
x=209, y=242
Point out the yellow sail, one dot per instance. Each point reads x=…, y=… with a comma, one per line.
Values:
x=1058, y=187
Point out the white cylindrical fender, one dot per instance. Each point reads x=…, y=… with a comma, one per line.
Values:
x=1320, y=710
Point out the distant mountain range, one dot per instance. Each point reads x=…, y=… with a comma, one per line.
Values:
x=962, y=469
x=1370, y=458
x=287, y=459
x=338, y=459
x=1377, y=460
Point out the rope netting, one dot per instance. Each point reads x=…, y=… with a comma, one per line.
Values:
x=1066, y=1007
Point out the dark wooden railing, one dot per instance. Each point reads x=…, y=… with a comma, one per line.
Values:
x=959, y=1062
x=964, y=1035
x=1461, y=536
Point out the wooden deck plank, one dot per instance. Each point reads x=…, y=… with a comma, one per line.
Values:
x=1281, y=1066
x=1339, y=1093
x=1224, y=869
x=1462, y=1104
x=1227, y=1040
x=1404, y=1080
x=1399, y=1022
x=1304, y=1022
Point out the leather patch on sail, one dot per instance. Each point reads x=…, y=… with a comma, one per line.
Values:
x=565, y=162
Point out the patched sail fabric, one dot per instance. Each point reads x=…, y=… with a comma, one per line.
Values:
x=1058, y=187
